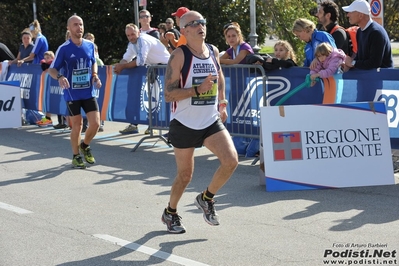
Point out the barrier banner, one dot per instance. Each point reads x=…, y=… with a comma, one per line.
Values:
x=312, y=146
x=352, y=86
x=29, y=77
x=244, y=90
x=125, y=97
x=10, y=105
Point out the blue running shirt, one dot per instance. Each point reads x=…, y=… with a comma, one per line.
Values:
x=75, y=63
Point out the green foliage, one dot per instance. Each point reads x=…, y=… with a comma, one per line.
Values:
x=107, y=20
x=282, y=14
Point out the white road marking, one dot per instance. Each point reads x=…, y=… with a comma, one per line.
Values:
x=9, y=207
x=149, y=251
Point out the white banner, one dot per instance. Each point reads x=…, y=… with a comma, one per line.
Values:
x=10, y=105
x=326, y=146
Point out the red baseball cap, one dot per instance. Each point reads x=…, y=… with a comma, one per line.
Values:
x=180, y=12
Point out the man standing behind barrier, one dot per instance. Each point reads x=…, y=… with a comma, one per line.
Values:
x=76, y=59
x=194, y=83
x=142, y=49
x=327, y=15
x=374, y=47
x=178, y=14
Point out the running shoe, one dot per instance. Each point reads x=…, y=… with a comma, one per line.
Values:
x=44, y=122
x=60, y=126
x=87, y=154
x=130, y=129
x=77, y=162
x=173, y=223
x=208, y=208
x=148, y=131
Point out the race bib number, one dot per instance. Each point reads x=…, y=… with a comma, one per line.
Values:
x=80, y=78
x=205, y=98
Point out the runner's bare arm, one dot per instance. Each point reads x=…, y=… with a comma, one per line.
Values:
x=173, y=92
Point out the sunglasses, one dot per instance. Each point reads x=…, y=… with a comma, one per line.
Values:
x=168, y=22
x=146, y=16
x=195, y=23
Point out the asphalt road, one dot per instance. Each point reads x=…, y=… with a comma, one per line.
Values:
x=109, y=214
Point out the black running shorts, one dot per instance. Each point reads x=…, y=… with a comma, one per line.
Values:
x=183, y=137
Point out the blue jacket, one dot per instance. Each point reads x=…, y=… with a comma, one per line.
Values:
x=317, y=38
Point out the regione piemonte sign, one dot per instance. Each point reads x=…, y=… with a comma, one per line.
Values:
x=326, y=146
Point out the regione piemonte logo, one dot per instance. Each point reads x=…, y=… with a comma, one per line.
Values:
x=287, y=146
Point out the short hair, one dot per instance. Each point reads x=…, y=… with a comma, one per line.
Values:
x=145, y=11
x=332, y=8
x=131, y=25
x=73, y=16
x=233, y=26
x=183, y=18
x=323, y=48
x=50, y=53
x=303, y=24
x=25, y=32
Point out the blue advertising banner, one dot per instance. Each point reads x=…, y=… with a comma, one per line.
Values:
x=125, y=97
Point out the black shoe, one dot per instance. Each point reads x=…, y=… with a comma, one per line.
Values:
x=60, y=126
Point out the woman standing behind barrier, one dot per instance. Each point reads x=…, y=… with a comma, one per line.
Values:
x=306, y=31
x=40, y=47
x=238, y=48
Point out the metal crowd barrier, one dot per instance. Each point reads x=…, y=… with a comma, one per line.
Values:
x=245, y=91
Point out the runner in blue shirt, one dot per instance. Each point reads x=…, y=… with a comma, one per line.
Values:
x=75, y=68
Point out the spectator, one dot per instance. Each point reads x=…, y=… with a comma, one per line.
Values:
x=327, y=15
x=284, y=57
x=162, y=31
x=40, y=46
x=373, y=45
x=141, y=50
x=306, y=31
x=329, y=61
x=90, y=37
x=5, y=53
x=25, y=48
x=45, y=64
x=145, y=18
x=239, y=49
x=172, y=34
x=78, y=84
x=178, y=14
x=197, y=119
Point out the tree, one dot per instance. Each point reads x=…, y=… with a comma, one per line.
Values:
x=283, y=13
x=107, y=20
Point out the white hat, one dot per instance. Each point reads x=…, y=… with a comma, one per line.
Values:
x=361, y=6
